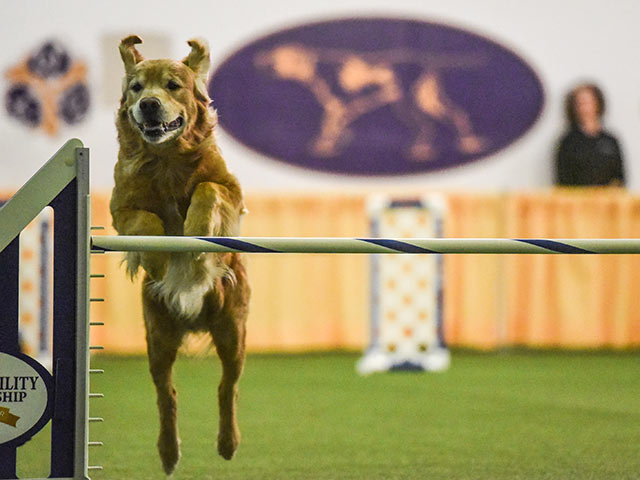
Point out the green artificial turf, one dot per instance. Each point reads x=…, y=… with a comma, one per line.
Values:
x=522, y=415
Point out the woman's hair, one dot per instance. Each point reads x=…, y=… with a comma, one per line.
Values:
x=570, y=102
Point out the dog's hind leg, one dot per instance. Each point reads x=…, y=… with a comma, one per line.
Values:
x=163, y=341
x=228, y=333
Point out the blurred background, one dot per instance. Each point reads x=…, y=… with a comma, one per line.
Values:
x=323, y=105
x=358, y=118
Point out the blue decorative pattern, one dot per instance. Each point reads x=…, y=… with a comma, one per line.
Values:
x=555, y=246
x=238, y=245
x=397, y=245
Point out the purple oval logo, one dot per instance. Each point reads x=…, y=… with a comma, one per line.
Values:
x=376, y=96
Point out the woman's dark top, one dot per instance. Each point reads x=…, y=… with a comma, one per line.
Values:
x=588, y=160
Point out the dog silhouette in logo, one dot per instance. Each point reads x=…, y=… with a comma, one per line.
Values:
x=369, y=81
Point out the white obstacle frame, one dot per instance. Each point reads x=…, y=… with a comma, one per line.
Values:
x=390, y=346
x=71, y=164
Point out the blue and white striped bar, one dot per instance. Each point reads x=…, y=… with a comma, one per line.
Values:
x=365, y=245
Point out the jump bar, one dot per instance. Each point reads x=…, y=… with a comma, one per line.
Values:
x=104, y=243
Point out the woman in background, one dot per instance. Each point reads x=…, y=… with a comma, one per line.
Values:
x=587, y=154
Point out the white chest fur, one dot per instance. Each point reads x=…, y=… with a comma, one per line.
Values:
x=188, y=279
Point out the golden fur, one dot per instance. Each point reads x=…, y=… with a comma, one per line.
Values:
x=170, y=179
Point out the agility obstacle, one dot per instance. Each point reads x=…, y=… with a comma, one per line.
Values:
x=30, y=396
x=63, y=184
x=365, y=245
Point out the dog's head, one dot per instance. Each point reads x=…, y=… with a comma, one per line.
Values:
x=163, y=100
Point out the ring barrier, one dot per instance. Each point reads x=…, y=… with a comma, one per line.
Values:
x=63, y=184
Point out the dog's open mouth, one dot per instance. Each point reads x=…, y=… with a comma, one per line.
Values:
x=155, y=130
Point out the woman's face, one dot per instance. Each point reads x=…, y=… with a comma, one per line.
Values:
x=586, y=105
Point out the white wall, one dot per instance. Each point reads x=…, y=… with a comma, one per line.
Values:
x=564, y=40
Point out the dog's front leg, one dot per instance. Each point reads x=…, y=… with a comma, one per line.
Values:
x=210, y=212
x=142, y=222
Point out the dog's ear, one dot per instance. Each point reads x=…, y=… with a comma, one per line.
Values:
x=198, y=58
x=130, y=55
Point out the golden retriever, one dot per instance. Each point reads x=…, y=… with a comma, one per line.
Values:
x=170, y=179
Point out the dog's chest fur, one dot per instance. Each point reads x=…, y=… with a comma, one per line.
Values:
x=170, y=195
x=190, y=277
x=172, y=209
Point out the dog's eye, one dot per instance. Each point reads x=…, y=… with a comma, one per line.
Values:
x=136, y=87
x=171, y=85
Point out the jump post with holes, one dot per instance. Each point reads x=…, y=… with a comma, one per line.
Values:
x=63, y=184
x=32, y=396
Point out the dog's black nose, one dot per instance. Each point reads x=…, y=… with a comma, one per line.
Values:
x=149, y=105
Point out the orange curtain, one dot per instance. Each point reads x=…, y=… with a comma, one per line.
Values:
x=473, y=283
x=573, y=301
x=303, y=302
x=299, y=302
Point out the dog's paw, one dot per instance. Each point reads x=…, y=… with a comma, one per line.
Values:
x=228, y=443
x=169, y=450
